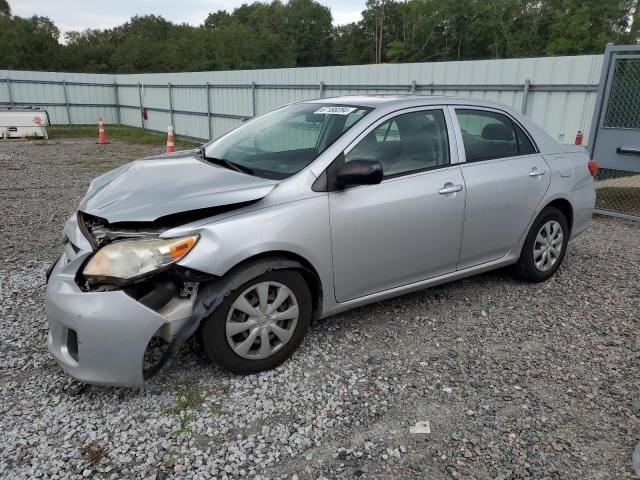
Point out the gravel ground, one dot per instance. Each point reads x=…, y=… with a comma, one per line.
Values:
x=515, y=380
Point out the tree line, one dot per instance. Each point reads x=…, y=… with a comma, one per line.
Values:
x=300, y=33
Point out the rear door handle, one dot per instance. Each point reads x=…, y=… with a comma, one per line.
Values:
x=449, y=188
x=536, y=173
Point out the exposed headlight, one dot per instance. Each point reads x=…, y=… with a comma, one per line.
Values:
x=130, y=259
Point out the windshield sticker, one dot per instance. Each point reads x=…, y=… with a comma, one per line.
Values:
x=335, y=110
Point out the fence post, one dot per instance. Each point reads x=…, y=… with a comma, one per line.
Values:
x=253, y=99
x=321, y=89
x=413, y=86
x=173, y=123
x=66, y=101
x=10, y=93
x=117, y=99
x=525, y=94
x=209, y=129
x=600, y=98
x=141, y=107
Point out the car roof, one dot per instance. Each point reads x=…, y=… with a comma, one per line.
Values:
x=377, y=101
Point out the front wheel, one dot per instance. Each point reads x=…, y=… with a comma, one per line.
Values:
x=260, y=324
x=544, y=247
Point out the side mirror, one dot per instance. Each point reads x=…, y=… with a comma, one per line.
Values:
x=359, y=172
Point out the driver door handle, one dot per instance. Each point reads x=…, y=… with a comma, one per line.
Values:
x=536, y=173
x=448, y=188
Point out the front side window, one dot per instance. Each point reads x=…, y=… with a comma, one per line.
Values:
x=406, y=143
x=283, y=142
x=489, y=135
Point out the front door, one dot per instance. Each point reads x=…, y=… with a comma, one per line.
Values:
x=407, y=228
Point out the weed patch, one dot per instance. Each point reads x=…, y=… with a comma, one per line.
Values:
x=93, y=452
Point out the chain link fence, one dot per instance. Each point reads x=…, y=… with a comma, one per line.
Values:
x=618, y=191
x=624, y=100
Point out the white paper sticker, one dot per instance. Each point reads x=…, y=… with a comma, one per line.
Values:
x=335, y=110
x=420, y=427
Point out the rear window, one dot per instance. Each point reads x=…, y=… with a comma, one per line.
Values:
x=488, y=135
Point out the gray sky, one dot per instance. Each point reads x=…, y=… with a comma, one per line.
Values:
x=80, y=14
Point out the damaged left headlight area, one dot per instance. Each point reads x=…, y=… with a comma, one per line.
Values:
x=135, y=260
x=124, y=261
x=124, y=254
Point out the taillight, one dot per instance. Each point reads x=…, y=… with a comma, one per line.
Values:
x=593, y=167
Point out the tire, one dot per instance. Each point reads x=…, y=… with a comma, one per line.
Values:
x=225, y=334
x=538, y=269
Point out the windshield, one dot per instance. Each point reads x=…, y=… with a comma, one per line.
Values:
x=283, y=142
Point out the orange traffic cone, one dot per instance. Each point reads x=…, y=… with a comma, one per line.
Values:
x=102, y=136
x=170, y=141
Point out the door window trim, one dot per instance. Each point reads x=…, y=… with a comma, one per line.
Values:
x=462, y=153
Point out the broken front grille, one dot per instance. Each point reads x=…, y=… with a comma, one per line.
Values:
x=99, y=232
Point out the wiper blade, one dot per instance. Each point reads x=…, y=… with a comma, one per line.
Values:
x=225, y=163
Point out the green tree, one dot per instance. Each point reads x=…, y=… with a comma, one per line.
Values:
x=29, y=43
x=352, y=45
x=585, y=26
x=5, y=9
x=300, y=33
x=307, y=26
x=88, y=51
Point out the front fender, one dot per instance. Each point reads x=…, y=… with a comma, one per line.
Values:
x=300, y=227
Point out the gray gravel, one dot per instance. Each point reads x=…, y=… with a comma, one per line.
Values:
x=516, y=380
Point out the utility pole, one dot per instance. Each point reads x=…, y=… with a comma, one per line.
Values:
x=635, y=24
x=379, y=46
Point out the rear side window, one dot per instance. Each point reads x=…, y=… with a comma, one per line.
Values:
x=489, y=135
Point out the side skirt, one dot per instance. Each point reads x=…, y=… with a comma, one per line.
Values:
x=509, y=259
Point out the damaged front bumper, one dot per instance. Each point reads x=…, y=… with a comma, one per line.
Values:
x=100, y=337
x=97, y=337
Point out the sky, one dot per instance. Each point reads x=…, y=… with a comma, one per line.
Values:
x=71, y=15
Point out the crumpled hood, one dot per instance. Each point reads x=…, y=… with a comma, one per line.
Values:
x=145, y=190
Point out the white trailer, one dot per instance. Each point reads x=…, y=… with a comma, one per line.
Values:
x=23, y=123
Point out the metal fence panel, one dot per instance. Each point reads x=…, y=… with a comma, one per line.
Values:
x=231, y=101
x=270, y=98
x=561, y=97
x=128, y=95
x=130, y=116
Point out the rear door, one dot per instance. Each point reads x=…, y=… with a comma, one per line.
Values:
x=506, y=179
x=408, y=227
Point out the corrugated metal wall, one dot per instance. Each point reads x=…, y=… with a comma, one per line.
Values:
x=558, y=93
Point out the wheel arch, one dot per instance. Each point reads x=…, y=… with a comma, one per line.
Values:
x=281, y=259
x=565, y=207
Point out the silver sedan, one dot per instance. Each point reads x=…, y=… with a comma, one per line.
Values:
x=312, y=209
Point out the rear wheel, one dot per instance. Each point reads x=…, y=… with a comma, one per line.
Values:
x=260, y=324
x=544, y=247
